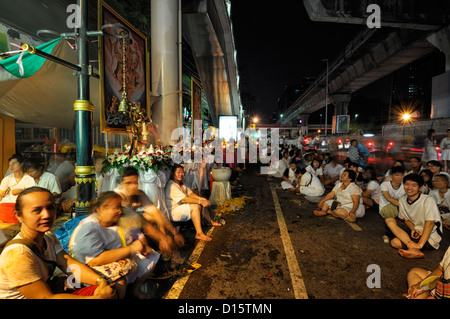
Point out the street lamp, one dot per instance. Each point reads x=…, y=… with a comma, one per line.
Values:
x=255, y=120
x=406, y=117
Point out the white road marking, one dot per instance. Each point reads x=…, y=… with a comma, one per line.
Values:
x=178, y=286
x=296, y=275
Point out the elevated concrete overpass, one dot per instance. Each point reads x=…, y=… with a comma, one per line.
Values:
x=373, y=53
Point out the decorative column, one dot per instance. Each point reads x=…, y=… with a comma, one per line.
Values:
x=84, y=169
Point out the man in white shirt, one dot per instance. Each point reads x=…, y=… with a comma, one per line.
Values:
x=332, y=171
x=422, y=220
x=391, y=192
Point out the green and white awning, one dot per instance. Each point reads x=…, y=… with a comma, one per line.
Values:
x=44, y=91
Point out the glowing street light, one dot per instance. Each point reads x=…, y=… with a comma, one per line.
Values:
x=255, y=120
x=406, y=117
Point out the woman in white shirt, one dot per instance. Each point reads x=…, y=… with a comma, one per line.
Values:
x=316, y=169
x=430, y=153
x=183, y=204
x=11, y=186
x=35, y=167
x=343, y=201
x=371, y=190
x=309, y=185
x=290, y=180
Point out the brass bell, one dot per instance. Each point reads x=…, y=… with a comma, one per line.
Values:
x=123, y=106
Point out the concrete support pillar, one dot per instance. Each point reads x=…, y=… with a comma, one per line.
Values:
x=441, y=40
x=165, y=70
x=341, y=102
x=440, y=100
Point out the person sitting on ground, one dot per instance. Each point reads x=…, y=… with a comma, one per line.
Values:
x=309, y=184
x=436, y=169
x=27, y=262
x=416, y=165
x=35, y=167
x=65, y=171
x=371, y=190
x=346, y=162
x=290, y=181
x=316, y=169
x=11, y=186
x=391, y=192
x=183, y=204
x=441, y=195
x=307, y=159
x=343, y=201
x=397, y=163
x=332, y=171
x=98, y=240
x=428, y=181
x=358, y=170
x=417, y=275
x=157, y=227
x=98, y=166
x=422, y=227
x=277, y=168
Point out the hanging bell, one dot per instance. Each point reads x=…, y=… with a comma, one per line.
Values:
x=123, y=106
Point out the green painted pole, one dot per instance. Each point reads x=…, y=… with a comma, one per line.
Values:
x=84, y=169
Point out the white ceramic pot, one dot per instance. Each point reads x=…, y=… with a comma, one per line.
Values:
x=221, y=174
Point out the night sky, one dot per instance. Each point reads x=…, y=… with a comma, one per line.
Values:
x=277, y=45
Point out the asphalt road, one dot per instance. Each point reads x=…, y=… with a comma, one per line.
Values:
x=251, y=257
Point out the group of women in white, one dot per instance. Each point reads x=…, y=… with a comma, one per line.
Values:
x=355, y=189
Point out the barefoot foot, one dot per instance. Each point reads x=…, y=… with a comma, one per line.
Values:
x=216, y=224
x=319, y=213
x=203, y=237
x=411, y=253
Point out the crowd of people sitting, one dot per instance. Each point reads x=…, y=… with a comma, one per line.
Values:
x=413, y=201
x=126, y=236
x=347, y=190
x=119, y=244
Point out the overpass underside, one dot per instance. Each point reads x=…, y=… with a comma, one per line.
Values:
x=374, y=53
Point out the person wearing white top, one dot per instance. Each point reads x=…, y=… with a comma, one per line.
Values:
x=290, y=180
x=277, y=168
x=316, y=169
x=371, y=189
x=343, y=201
x=422, y=220
x=436, y=169
x=35, y=168
x=391, y=192
x=441, y=195
x=332, y=171
x=445, y=151
x=430, y=153
x=183, y=204
x=16, y=182
x=309, y=185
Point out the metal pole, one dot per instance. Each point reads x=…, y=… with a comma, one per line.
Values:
x=326, y=103
x=84, y=169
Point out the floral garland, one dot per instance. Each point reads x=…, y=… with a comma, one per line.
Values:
x=142, y=161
